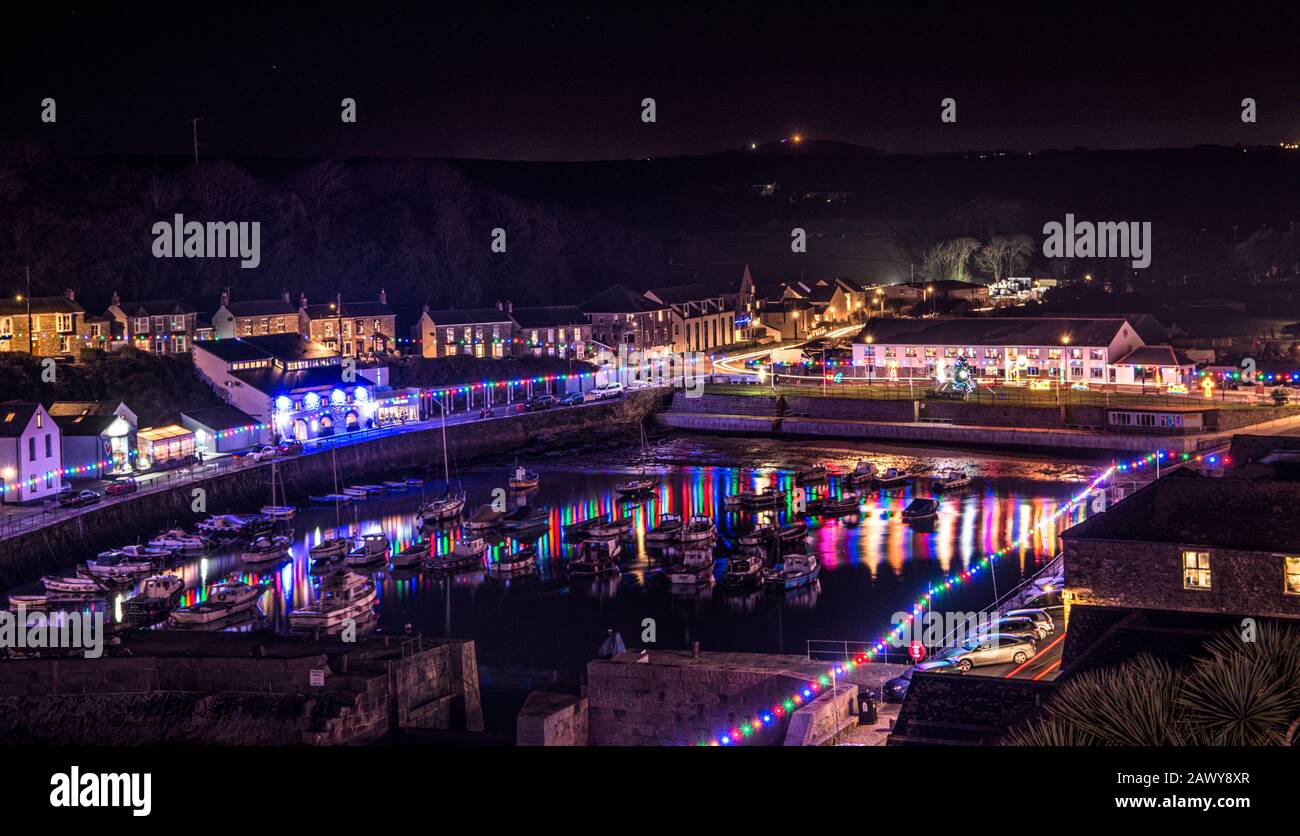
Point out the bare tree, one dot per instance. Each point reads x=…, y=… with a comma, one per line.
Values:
x=1004, y=255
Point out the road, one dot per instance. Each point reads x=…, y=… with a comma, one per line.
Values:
x=1045, y=665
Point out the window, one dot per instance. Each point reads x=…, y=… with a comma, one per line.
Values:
x=1096, y=354
x=142, y=325
x=178, y=323
x=1097, y=371
x=31, y=449
x=63, y=322
x=49, y=445
x=1291, y=573
x=1032, y=353
x=1196, y=570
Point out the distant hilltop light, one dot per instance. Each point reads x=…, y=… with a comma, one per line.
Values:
x=797, y=138
x=1291, y=145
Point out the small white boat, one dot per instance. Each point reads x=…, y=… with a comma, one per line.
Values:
x=446, y=507
x=793, y=532
x=330, y=498
x=183, y=542
x=950, y=480
x=764, y=498
x=355, y=492
x=846, y=503
x=159, y=588
x=466, y=554
x=223, y=526
x=893, y=478
x=578, y=529
x=279, y=512
x=223, y=600
x=118, y=567
x=485, y=518
x=373, y=489
x=343, y=595
x=523, y=479
x=759, y=534
x=698, y=529
x=374, y=548
x=638, y=486
x=744, y=571
x=668, y=528
x=411, y=557
x=149, y=552
x=395, y=484
x=796, y=570
x=619, y=527
x=88, y=587
x=515, y=563
x=331, y=548
x=266, y=548
x=863, y=474
x=696, y=567
x=921, y=509
x=596, y=556
x=414, y=482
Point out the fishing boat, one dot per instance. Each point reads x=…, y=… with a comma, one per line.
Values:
x=668, y=528
x=330, y=498
x=80, y=586
x=223, y=600
x=733, y=500
x=266, y=549
x=182, y=541
x=793, y=532
x=485, y=518
x=765, y=498
x=696, y=567
x=466, y=554
x=893, y=478
x=374, y=548
x=343, y=595
x=411, y=557
x=515, y=563
x=744, y=571
x=222, y=527
x=149, y=552
x=862, y=474
x=330, y=548
x=698, y=529
x=523, y=518
x=118, y=567
x=811, y=475
x=638, y=486
x=577, y=529
x=796, y=570
x=830, y=506
x=523, y=479
x=617, y=527
x=921, y=509
x=950, y=479
x=759, y=534
x=160, y=588
x=596, y=556
x=282, y=510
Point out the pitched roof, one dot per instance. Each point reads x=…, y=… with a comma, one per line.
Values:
x=63, y=408
x=1155, y=355
x=157, y=307
x=679, y=294
x=1201, y=511
x=720, y=279
x=40, y=305
x=14, y=417
x=85, y=425
x=285, y=347
x=276, y=380
x=619, y=299
x=975, y=331
x=552, y=316
x=349, y=309
x=223, y=417
x=468, y=316
x=262, y=307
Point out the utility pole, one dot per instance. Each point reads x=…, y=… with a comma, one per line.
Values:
x=195, y=124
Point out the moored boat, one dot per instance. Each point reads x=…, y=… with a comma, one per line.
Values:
x=667, y=529
x=698, y=529
x=596, y=556
x=342, y=595
x=831, y=506
x=182, y=541
x=87, y=587
x=811, y=475
x=695, y=567
x=523, y=479
x=373, y=549
x=793, y=532
x=266, y=548
x=223, y=600
x=759, y=534
x=744, y=570
x=765, y=498
x=485, y=518
x=617, y=527
x=893, y=478
x=160, y=588
x=411, y=557
x=796, y=570
x=523, y=518
x=223, y=527
x=330, y=498
x=514, y=563
x=637, y=486
x=919, y=510
x=864, y=473
x=442, y=509
x=950, y=479
x=329, y=548
x=466, y=554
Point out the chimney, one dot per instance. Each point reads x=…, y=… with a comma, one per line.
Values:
x=225, y=298
x=284, y=294
x=383, y=297
x=426, y=307
x=500, y=307
x=70, y=294
x=510, y=306
x=117, y=300
x=302, y=300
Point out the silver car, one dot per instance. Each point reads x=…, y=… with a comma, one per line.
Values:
x=993, y=649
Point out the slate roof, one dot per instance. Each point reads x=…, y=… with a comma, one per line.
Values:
x=552, y=316
x=619, y=299
x=40, y=305
x=286, y=347
x=262, y=307
x=678, y=294
x=84, y=425
x=22, y=414
x=223, y=417
x=350, y=310
x=157, y=307
x=964, y=709
x=1184, y=508
x=975, y=331
x=275, y=380
x=1155, y=355
x=468, y=316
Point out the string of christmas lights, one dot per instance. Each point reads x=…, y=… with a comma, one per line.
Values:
x=738, y=733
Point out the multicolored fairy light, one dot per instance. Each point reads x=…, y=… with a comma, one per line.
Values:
x=810, y=690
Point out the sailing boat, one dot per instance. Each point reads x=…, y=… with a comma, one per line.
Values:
x=452, y=502
x=278, y=512
x=643, y=484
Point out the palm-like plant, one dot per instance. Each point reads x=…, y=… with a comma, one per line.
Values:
x=1243, y=693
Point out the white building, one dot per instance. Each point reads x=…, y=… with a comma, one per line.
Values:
x=31, y=453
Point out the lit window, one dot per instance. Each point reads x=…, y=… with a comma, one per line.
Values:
x=1196, y=570
x=1291, y=571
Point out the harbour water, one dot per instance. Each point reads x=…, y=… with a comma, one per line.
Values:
x=873, y=563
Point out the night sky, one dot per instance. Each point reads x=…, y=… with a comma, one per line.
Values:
x=566, y=82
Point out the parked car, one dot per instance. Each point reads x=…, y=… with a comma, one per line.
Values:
x=1043, y=600
x=612, y=389
x=896, y=689
x=78, y=499
x=122, y=487
x=262, y=454
x=541, y=402
x=1041, y=617
x=485, y=412
x=993, y=649
x=572, y=399
x=633, y=385
x=290, y=447
x=1014, y=626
